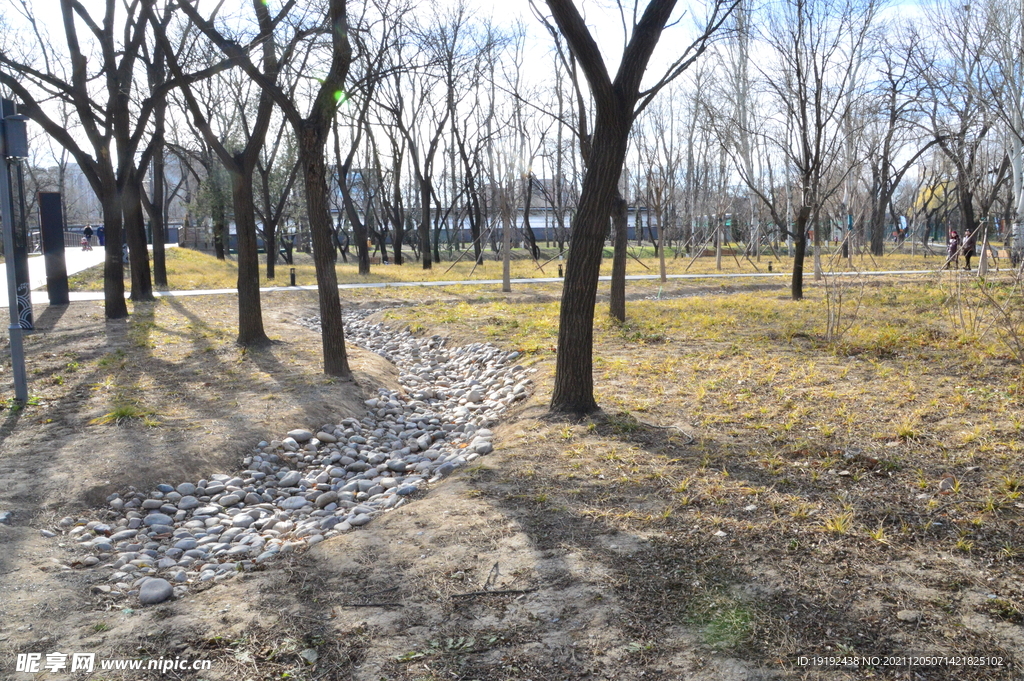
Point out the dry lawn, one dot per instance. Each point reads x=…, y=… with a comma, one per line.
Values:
x=752, y=493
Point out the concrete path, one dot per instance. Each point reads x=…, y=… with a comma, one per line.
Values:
x=77, y=260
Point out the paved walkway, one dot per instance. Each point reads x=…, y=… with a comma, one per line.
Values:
x=79, y=260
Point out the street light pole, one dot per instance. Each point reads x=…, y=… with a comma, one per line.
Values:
x=13, y=144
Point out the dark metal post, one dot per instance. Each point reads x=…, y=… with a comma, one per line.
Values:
x=51, y=234
x=19, y=255
x=13, y=145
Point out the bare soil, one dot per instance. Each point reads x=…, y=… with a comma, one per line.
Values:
x=693, y=542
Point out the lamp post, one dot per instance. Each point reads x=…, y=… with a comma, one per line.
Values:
x=13, y=145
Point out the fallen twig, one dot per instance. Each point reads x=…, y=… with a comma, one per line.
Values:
x=500, y=592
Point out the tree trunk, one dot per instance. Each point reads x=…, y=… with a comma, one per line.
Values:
x=311, y=158
x=528, y=236
x=424, y=228
x=620, y=224
x=135, y=230
x=270, y=244
x=159, y=257
x=574, y=382
x=797, y=285
x=114, y=305
x=250, y=311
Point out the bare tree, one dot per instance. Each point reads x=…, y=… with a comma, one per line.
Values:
x=616, y=103
x=311, y=131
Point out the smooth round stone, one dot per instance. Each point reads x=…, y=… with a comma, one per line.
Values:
x=326, y=437
x=161, y=529
x=229, y=500
x=242, y=520
x=157, y=519
x=359, y=520
x=213, y=490
x=155, y=591
x=397, y=466
x=164, y=488
x=289, y=479
x=151, y=504
x=326, y=499
x=165, y=563
x=300, y=435
x=330, y=523
x=483, y=447
x=123, y=535
x=293, y=503
x=251, y=499
x=186, y=489
x=186, y=544
x=405, y=490
x=210, y=509
x=187, y=503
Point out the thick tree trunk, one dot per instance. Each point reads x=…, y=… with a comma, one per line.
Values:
x=270, y=244
x=800, y=239
x=311, y=158
x=250, y=310
x=159, y=233
x=424, y=228
x=574, y=382
x=620, y=225
x=135, y=230
x=114, y=305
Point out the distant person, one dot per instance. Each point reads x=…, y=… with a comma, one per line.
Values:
x=101, y=233
x=953, y=250
x=87, y=233
x=970, y=241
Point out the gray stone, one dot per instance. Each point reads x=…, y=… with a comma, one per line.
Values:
x=229, y=500
x=359, y=520
x=289, y=479
x=188, y=503
x=300, y=435
x=6, y=517
x=293, y=503
x=242, y=520
x=405, y=490
x=326, y=498
x=155, y=591
x=186, y=489
x=157, y=519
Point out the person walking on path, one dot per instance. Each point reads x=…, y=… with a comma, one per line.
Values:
x=87, y=233
x=953, y=250
x=970, y=241
x=100, y=233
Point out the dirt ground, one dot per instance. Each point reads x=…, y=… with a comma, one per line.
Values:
x=611, y=548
